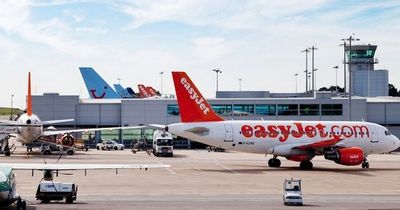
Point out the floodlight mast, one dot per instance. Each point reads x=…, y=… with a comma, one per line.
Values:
x=217, y=71
x=349, y=40
x=306, y=51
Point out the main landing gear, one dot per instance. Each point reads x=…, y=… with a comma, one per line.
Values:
x=306, y=165
x=365, y=163
x=5, y=146
x=274, y=162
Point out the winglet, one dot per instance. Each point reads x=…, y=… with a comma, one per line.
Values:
x=192, y=105
x=29, y=97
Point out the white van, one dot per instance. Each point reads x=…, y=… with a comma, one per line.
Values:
x=292, y=194
x=163, y=144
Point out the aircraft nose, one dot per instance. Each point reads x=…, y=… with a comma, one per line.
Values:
x=397, y=142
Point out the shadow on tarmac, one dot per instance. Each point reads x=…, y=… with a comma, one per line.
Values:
x=266, y=169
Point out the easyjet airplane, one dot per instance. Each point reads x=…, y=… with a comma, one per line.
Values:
x=29, y=128
x=345, y=143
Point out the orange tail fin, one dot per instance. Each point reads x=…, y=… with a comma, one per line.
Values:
x=192, y=105
x=151, y=91
x=143, y=91
x=29, y=97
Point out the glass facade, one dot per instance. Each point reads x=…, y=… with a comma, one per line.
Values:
x=309, y=109
x=269, y=109
x=266, y=109
x=362, y=54
x=110, y=134
x=223, y=109
x=243, y=109
x=287, y=109
x=173, y=109
x=331, y=109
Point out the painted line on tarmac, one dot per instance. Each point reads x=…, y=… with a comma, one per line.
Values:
x=168, y=169
x=186, y=160
x=225, y=167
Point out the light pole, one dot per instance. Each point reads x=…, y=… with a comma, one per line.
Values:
x=240, y=84
x=309, y=78
x=295, y=77
x=349, y=40
x=12, y=106
x=344, y=66
x=315, y=78
x=307, y=50
x=336, y=68
x=161, y=85
x=313, y=48
x=217, y=71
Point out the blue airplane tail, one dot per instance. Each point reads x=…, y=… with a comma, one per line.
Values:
x=130, y=91
x=96, y=86
x=124, y=93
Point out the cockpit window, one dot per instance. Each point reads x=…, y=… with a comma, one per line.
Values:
x=387, y=133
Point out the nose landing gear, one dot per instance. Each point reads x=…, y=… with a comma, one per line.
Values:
x=365, y=163
x=274, y=162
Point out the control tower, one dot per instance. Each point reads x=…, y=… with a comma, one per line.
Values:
x=366, y=81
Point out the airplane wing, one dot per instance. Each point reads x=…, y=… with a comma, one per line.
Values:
x=8, y=122
x=157, y=126
x=51, y=133
x=7, y=129
x=320, y=144
x=64, y=167
x=50, y=122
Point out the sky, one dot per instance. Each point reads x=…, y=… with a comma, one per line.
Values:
x=259, y=42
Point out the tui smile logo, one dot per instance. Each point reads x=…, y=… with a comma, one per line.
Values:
x=94, y=94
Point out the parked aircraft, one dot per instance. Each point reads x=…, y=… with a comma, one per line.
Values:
x=29, y=128
x=8, y=191
x=344, y=142
x=124, y=92
x=98, y=88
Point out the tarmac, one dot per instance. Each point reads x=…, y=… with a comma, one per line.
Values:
x=198, y=179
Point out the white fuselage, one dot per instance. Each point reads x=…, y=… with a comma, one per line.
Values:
x=279, y=137
x=32, y=129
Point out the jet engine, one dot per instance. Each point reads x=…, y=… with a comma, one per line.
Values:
x=350, y=156
x=67, y=140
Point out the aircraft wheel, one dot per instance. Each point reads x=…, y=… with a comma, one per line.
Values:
x=306, y=165
x=365, y=165
x=46, y=152
x=23, y=205
x=274, y=163
x=7, y=153
x=19, y=204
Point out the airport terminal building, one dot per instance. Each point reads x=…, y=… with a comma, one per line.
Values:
x=369, y=103
x=124, y=112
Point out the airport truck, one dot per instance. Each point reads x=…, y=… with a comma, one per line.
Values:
x=163, y=144
x=292, y=194
x=49, y=190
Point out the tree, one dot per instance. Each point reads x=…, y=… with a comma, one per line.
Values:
x=393, y=91
x=332, y=89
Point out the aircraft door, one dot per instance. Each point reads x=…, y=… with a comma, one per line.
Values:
x=228, y=133
x=374, y=135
